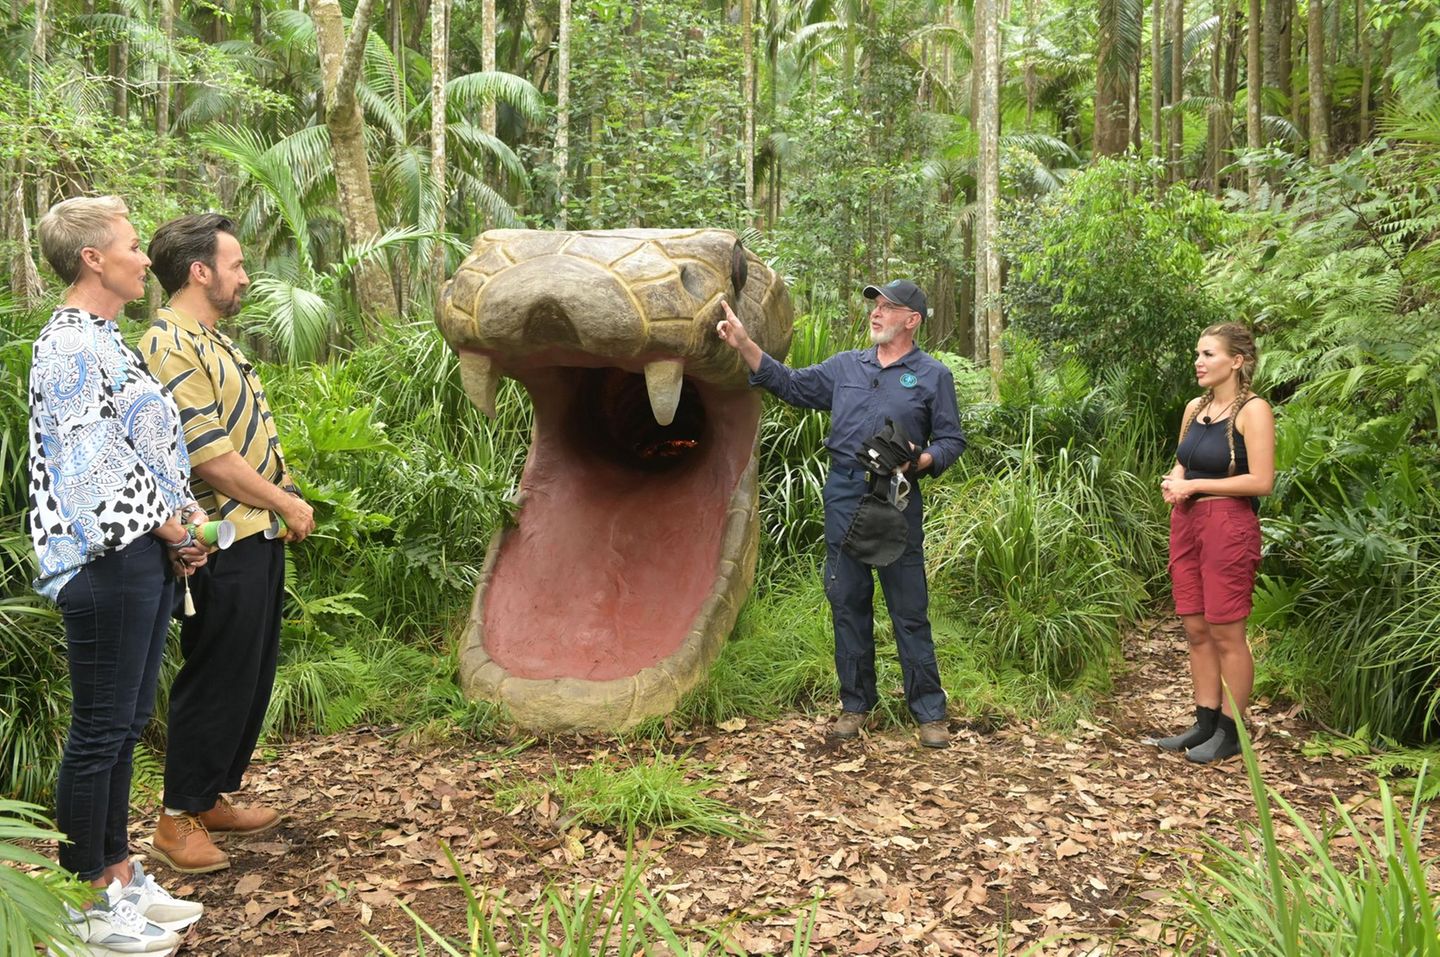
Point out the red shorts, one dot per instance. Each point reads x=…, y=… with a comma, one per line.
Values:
x=1214, y=552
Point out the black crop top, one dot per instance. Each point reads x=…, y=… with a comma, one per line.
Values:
x=1204, y=452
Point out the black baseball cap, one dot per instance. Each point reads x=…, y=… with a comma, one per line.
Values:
x=900, y=291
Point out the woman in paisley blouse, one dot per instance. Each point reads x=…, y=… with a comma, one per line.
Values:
x=109, y=495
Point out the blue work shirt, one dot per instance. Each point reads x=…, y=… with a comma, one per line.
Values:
x=916, y=391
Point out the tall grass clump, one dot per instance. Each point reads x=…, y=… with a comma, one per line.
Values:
x=1278, y=896
x=662, y=792
x=1031, y=553
x=624, y=919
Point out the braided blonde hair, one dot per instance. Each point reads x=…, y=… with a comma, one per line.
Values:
x=1239, y=341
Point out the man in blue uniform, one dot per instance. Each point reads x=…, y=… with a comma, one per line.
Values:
x=862, y=389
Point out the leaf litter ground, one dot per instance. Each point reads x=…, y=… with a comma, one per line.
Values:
x=1008, y=838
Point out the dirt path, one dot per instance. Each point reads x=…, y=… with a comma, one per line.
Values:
x=1011, y=834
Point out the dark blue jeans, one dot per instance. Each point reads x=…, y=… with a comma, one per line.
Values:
x=117, y=611
x=850, y=586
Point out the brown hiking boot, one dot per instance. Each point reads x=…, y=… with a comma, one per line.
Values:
x=935, y=734
x=848, y=725
x=182, y=844
x=225, y=818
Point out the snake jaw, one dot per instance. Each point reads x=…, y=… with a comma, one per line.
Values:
x=635, y=542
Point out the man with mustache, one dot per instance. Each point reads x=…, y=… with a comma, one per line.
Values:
x=231, y=644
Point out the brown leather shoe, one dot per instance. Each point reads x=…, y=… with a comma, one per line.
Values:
x=225, y=818
x=182, y=844
x=935, y=734
x=848, y=725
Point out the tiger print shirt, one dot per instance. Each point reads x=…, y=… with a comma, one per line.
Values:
x=107, y=459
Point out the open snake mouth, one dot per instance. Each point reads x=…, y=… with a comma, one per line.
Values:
x=635, y=541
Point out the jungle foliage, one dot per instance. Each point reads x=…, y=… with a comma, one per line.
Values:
x=1045, y=541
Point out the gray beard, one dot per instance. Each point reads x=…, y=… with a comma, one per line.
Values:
x=884, y=338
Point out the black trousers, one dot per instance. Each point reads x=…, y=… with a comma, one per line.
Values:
x=231, y=646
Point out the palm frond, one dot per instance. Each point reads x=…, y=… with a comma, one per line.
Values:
x=473, y=90
x=296, y=319
x=479, y=145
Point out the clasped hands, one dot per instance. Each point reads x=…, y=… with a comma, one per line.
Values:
x=187, y=553
x=1176, y=490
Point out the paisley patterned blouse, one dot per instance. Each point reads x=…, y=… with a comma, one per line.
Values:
x=107, y=461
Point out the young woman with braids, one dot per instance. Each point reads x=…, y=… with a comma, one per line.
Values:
x=1225, y=461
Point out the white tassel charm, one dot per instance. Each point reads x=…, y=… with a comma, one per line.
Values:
x=189, y=602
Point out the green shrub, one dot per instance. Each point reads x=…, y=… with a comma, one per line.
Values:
x=1107, y=273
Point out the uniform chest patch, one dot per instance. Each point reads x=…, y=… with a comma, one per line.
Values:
x=908, y=380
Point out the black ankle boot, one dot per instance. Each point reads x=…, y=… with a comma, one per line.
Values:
x=1224, y=743
x=1197, y=733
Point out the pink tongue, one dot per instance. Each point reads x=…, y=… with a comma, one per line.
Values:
x=609, y=566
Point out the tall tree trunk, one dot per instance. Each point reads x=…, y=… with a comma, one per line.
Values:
x=1270, y=56
x=978, y=81
x=946, y=50
x=1364, y=43
x=1215, y=112
x=1230, y=79
x=340, y=63
x=1319, y=108
x=162, y=69
x=1298, y=116
x=1177, y=90
x=989, y=123
x=39, y=56
x=1135, y=124
x=87, y=56
x=597, y=168
x=966, y=318
x=562, y=117
x=24, y=276
x=120, y=72
x=1112, y=126
x=39, y=42
x=1254, y=136
x=487, y=60
x=747, y=46
x=1157, y=80
x=439, y=77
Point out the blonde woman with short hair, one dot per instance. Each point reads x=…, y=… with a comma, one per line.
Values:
x=109, y=492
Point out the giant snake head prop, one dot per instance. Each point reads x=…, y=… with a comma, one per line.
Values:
x=635, y=540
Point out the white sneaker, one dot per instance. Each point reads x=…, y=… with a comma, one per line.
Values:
x=118, y=929
x=155, y=903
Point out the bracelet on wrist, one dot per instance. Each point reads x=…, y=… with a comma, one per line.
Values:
x=185, y=542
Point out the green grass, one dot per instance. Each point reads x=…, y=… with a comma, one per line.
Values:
x=624, y=919
x=1345, y=888
x=661, y=792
